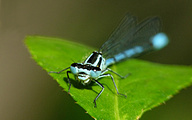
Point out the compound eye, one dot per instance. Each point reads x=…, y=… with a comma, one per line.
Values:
x=74, y=65
x=74, y=68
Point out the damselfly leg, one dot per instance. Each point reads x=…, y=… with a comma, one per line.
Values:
x=69, y=81
x=99, y=92
x=67, y=76
x=59, y=71
x=106, y=75
x=123, y=77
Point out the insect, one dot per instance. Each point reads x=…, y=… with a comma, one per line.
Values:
x=129, y=40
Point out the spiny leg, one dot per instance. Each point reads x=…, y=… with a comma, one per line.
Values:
x=99, y=92
x=68, y=81
x=67, y=76
x=59, y=71
x=105, y=75
x=118, y=74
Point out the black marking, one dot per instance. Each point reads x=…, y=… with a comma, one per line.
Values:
x=96, y=69
x=87, y=67
x=83, y=73
x=74, y=64
x=99, y=63
x=93, y=58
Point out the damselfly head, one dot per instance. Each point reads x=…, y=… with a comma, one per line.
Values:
x=85, y=71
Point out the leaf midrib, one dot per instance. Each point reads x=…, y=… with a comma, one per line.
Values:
x=116, y=106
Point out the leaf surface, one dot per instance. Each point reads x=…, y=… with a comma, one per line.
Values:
x=149, y=85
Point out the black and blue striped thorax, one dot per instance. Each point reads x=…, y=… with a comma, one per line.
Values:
x=92, y=67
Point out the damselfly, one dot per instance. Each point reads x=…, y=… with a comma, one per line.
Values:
x=128, y=40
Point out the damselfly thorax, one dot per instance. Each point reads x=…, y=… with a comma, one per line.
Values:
x=90, y=69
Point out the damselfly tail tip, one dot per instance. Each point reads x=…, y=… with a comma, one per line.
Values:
x=159, y=41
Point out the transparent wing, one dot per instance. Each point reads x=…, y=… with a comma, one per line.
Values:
x=120, y=32
x=130, y=34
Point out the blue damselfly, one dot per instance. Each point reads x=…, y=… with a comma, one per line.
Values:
x=129, y=40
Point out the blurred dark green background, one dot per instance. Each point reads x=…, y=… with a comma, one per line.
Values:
x=28, y=93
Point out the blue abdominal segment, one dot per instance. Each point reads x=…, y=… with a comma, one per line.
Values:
x=109, y=61
x=128, y=53
x=159, y=41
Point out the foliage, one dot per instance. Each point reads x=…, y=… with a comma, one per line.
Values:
x=149, y=84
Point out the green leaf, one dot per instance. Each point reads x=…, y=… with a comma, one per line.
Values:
x=149, y=85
